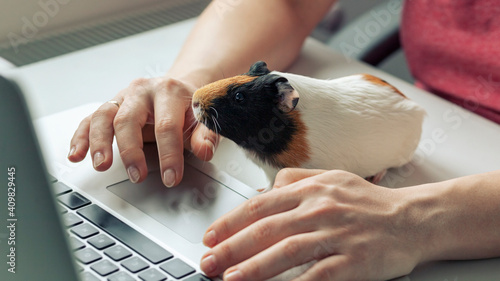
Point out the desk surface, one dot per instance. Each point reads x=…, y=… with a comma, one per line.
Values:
x=454, y=142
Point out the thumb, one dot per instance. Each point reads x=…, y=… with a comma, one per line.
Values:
x=203, y=142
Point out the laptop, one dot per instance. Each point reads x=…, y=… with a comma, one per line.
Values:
x=59, y=231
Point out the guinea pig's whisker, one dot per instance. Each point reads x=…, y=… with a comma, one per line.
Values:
x=215, y=110
x=216, y=125
x=194, y=124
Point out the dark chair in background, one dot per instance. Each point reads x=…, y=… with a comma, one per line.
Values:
x=374, y=38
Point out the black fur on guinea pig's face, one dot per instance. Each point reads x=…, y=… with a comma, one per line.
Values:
x=246, y=109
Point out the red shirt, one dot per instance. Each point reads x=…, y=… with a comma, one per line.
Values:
x=453, y=50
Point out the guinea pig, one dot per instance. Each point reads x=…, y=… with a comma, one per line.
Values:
x=357, y=123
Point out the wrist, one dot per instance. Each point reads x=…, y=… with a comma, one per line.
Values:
x=193, y=75
x=425, y=215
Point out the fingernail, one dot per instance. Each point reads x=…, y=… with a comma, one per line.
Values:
x=72, y=151
x=210, y=239
x=208, y=264
x=234, y=276
x=133, y=174
x=169, y=178
x=98, y=159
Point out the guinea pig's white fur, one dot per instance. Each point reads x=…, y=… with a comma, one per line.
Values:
x=356, y=124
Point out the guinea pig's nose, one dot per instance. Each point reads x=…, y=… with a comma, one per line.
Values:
x=196, y=104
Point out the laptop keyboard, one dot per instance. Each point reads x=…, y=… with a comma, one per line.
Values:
x=108, y=249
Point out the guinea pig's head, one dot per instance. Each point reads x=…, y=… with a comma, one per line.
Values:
x=253, y=109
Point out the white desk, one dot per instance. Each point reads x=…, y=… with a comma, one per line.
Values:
x=454, y=142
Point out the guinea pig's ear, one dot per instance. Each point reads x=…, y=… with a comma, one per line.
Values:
x=258, y=69
x=287, y=97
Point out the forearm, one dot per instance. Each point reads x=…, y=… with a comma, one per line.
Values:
x=228, y=38
x=459, y=218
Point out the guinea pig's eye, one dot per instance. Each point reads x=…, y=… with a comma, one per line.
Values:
x=239, y=97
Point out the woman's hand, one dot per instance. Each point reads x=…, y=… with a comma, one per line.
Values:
x=148, y=110
x=353, y=229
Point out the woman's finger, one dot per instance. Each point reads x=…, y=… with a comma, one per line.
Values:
x=79, y=144
x=170, y=107
x=128, y=126
x=101, y=134
x=333, y=268
x=203, y=142
x=291, y=175
x=288, y=253
x=250, y=211
x=253, y=239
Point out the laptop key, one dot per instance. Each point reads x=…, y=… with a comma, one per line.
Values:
x=87, y=276
x=135, y=264
x=101, y=241
x=121, y=276
x=87, y=255
x=125, y=234
x=73, y=200
x=51, y=178
x=79, y=268
x=177, y=268
x=76, y=244
x=61, y=208
x=85, y=230
x=60, y=188
x=70, y=219
x=152, y=275
x=104, y=267
x=117, y=253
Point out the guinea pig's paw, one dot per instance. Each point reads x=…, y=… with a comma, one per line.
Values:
x=377, y=177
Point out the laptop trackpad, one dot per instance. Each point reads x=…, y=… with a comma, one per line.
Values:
x=188, y=209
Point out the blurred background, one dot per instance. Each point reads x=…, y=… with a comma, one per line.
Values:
x=34, y=30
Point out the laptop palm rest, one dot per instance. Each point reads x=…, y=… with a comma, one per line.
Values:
x=187, y=209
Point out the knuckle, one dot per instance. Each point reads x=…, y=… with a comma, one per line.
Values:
x=323, y=207
x=169, y=157
x=141, y=82
x=262, y=231
x=119, y=120
x=126, y=153
x=291, y=248
x=171, y=83
x=96, y=140
x=251, y=267
x=164, y=125
x=223, y=226
x=313, y=186
x=343, y=178
x=254, y=207
x=324, y=273
x=226, y=252
x=99, y=114
x=122, y=120
x=284, y=173
x=338, y=173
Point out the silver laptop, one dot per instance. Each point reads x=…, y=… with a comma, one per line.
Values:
x=59, y=231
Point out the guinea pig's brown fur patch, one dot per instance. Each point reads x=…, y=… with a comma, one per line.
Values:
x=298, y=151
x=378, y=81
x=206, y=94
